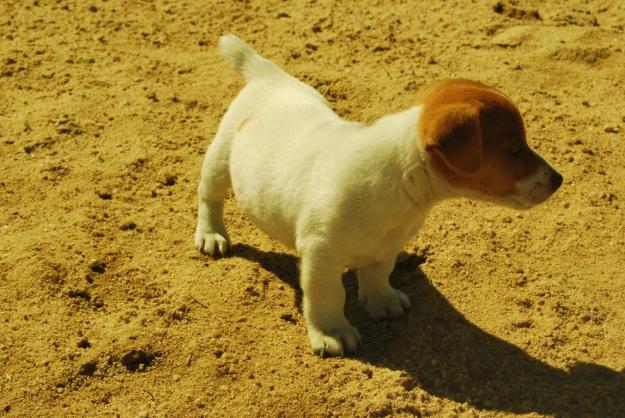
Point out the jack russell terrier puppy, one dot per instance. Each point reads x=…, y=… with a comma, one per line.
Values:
x=349, y=195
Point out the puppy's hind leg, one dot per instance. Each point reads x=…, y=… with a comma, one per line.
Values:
x=210, y=234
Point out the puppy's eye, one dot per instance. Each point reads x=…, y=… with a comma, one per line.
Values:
x=516, y=151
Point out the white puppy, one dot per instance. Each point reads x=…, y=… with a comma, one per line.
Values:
x=349, y=195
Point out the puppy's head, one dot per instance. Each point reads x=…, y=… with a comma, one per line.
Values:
x=475, y=139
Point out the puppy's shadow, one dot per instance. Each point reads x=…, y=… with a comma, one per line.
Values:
x=284, y=266
x=444, y=354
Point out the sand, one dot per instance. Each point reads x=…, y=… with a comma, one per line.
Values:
x=106, y=309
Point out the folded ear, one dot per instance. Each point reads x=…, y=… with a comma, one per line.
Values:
x=453, y=133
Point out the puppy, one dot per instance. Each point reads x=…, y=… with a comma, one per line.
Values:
x=349, y=195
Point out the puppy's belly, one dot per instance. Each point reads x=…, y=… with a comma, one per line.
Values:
x=267, y=196
x=270, y=221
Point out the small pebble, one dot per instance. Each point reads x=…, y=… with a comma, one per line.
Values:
x=84, y=343
x=612, y=129
x=98, y=266
x=169, y=180
x=97, y=302
x=128, y=226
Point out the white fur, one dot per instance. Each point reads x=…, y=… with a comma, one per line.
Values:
x=342, y=193
x=536, y=188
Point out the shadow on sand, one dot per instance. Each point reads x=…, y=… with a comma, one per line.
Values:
x=447, y=356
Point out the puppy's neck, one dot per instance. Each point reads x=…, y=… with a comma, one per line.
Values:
x=426, y=186
x=440, y=189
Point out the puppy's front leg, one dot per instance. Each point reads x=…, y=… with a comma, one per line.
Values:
x=376, y=294
x=329, y=331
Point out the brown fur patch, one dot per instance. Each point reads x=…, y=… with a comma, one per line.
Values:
x=452, y=143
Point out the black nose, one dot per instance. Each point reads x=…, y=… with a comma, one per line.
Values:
x=556, y=181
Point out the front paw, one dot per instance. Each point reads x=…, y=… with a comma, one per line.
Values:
x=334, y=341
x=211, y=243
x=389, y=304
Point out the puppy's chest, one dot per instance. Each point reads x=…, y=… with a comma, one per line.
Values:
x=387, y=242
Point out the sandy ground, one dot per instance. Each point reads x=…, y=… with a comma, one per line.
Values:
x=106, y=108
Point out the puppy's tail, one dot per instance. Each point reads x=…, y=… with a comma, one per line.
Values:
x=245, y=60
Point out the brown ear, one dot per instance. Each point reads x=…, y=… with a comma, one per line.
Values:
x=453, y=133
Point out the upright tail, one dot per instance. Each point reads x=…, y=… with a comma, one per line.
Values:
x=245, y=60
